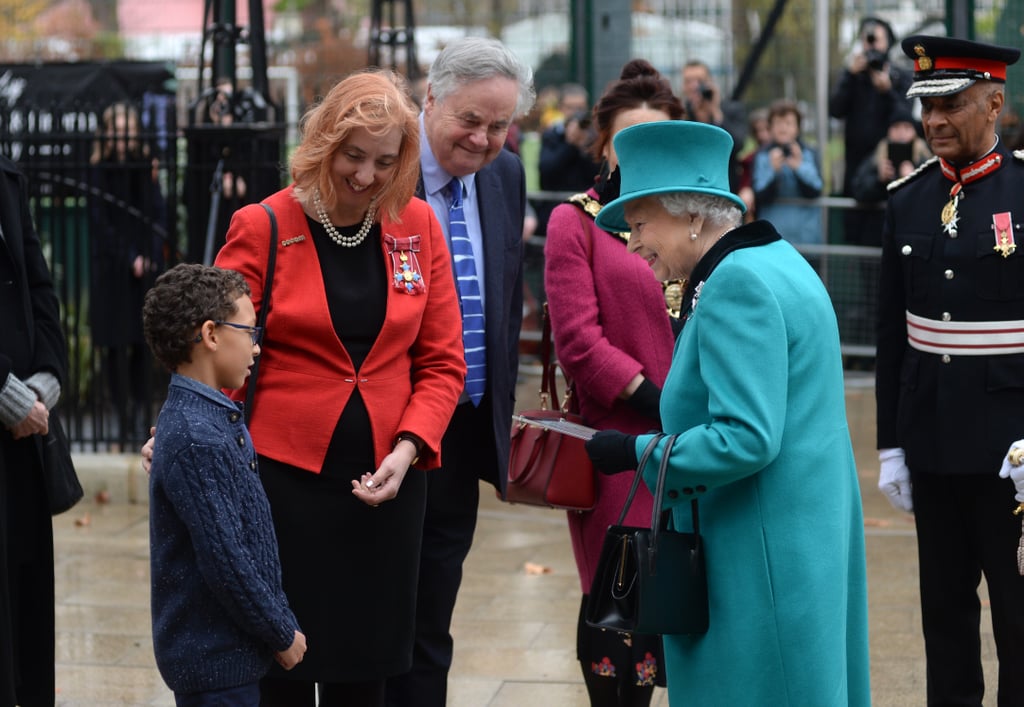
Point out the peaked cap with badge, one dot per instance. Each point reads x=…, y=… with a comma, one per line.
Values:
x=947, y=65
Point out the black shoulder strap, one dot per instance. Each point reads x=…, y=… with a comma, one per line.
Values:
x=261, y=319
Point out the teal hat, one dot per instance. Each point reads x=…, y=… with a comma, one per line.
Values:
x=669, y=156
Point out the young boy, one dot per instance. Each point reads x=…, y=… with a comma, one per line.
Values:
x=219, y=613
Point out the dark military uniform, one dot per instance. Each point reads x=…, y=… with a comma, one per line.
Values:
x=953, y=411
x=950, y=392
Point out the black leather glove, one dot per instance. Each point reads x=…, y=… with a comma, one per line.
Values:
x=612, y=451
x=646, y=400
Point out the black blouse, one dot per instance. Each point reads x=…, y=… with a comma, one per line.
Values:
x=356, y=283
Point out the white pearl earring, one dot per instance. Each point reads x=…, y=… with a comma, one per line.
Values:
x=693, y=236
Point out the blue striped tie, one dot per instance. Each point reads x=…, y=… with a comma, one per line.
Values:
x=473, y=337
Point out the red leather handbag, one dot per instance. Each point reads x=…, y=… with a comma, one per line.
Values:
x=546, y=467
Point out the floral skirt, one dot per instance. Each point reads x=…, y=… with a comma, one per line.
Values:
x=637, y=657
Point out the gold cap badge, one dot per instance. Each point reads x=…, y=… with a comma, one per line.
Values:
x=924, y=62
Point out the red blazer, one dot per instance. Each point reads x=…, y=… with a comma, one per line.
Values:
x=410, y=380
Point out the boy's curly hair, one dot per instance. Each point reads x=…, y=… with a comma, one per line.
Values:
x=181, y=300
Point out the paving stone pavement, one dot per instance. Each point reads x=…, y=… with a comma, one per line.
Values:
x=514, y=631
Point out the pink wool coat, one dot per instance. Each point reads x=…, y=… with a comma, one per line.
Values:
x=609, y=322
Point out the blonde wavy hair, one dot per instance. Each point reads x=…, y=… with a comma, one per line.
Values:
x=377, y=101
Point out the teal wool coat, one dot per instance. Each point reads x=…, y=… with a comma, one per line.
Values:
x=755, y=391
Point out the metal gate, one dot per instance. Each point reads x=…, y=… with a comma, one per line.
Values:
x=99, y=146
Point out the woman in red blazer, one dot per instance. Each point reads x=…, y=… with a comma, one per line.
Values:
x=361, y=368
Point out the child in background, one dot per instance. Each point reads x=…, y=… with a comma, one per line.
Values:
x=787, y=168
x=219, y=613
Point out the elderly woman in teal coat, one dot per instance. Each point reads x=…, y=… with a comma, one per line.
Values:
x=755, y=393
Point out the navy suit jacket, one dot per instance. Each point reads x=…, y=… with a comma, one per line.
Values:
x=501, y=201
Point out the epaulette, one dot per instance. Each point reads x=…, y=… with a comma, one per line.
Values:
x=922, y=168
x=1019, y=154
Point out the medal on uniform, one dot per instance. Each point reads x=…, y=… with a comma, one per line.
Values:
x=1002, y=224
x=972, y=172
x=950, y=217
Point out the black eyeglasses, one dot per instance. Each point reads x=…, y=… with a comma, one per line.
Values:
x=254, y=332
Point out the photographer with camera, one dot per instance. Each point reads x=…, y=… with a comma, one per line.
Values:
x=565, y=161
x=701, y=96
x=703, y=101
x=786, y=168
x=897, y=154
x=869, y=90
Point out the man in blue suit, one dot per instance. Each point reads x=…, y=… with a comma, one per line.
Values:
x=475, y=88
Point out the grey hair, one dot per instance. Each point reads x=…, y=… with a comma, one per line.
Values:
x=718, y=210
x=470, y=59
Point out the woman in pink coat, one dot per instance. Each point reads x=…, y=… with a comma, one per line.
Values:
x=613, y=336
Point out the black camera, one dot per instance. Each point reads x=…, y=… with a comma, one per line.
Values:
x=706, y=92
x=581, y=118
x=876, y=59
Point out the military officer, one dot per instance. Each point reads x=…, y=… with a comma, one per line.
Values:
x=950, y=363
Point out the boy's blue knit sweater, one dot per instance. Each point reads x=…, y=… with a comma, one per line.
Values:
x=219, y=613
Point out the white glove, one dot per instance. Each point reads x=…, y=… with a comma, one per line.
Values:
x=1009, y=471
x=894, y=479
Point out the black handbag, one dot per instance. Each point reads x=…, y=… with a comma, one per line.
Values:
x=63, y=489
x=650, y=580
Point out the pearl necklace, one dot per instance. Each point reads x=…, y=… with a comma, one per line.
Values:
x=722, y=234
x=718, y=238
x=334, y=234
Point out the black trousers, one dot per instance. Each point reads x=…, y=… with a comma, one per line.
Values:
x=26, y=578
x=965, y=528
x=453, y=494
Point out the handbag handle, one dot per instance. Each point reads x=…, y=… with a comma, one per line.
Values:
x=547, y=378
x=659, y=517
x=261, y=320
x=549, y=373
x=549, y=368
x=637, y=475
